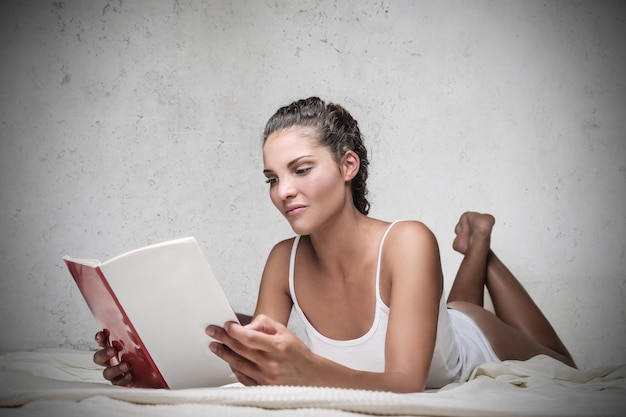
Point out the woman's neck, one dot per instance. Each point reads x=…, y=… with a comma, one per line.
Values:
x=341, y=244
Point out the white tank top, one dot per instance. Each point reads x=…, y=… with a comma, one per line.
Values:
x=367, y=353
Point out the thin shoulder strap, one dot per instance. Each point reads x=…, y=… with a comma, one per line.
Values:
x=292, y=263
x=380, y=257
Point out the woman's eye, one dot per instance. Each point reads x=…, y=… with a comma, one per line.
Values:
x=303, y=171
x=271, y=181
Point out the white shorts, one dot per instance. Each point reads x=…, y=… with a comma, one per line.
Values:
x=474, y=347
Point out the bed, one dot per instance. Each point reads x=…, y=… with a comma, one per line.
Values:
x=65, y=382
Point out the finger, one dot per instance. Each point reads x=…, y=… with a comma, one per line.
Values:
x=123, y=380
x=101, y=339
x=244, y=346
x=216, y=332
x=245, y=379
x=103, y=356
x=249, y=338
x=117, y=374
x=264, y=324
x=222, y=336
x=245, y=370
x=219, y=334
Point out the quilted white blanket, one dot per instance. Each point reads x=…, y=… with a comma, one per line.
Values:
x=66, y=383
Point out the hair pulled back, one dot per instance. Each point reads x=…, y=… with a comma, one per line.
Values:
x=335, y=128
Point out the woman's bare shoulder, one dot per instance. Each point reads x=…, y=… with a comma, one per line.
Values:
x=282, y=248
x=410, y=239
x=410, y=230
x=411, y=250
x=278, y=258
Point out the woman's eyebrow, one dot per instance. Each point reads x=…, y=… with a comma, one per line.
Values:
x=289, y=164
x=297, y=159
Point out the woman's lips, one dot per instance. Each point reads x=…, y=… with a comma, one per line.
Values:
x=294, y=210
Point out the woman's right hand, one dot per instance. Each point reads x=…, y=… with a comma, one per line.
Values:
x=116, y=372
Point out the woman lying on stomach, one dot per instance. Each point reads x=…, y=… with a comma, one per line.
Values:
x=370, y=292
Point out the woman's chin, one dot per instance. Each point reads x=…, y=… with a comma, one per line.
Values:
x=299, y=227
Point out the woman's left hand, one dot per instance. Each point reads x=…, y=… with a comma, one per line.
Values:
x=263, y=352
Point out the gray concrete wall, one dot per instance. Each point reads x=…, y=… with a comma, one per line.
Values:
x=128, y=123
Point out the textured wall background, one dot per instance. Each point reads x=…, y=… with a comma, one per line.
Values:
x=128, y=123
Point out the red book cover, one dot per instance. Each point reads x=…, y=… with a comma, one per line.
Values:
x=155, y=303
x=112, y=317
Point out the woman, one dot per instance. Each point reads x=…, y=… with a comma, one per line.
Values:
x=369, y=292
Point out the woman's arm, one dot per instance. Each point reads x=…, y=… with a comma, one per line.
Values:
x=412, y=255
x=274, y=299
x=273, y=303
x=265, y=352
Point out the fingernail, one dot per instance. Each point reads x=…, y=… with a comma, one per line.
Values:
x=210, y=331
x=213, y=347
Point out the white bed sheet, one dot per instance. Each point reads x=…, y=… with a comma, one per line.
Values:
x=61, y=382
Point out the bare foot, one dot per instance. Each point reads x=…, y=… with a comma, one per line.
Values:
x=462, y=231
x=472, y=226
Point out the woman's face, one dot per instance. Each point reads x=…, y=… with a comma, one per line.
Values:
x=306, y=183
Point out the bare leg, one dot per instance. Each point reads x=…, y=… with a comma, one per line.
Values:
x=519, y=329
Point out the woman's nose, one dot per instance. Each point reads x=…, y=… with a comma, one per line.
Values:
x=286, y=189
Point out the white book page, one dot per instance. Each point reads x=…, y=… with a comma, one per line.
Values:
x=171, y=295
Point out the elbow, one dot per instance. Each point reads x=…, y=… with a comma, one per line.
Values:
x=407, y=389
x=405, y=384
x=410, y=389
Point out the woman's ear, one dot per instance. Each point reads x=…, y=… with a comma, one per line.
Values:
x=350, y=164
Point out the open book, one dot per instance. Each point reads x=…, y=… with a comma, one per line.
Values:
x=155, y=303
